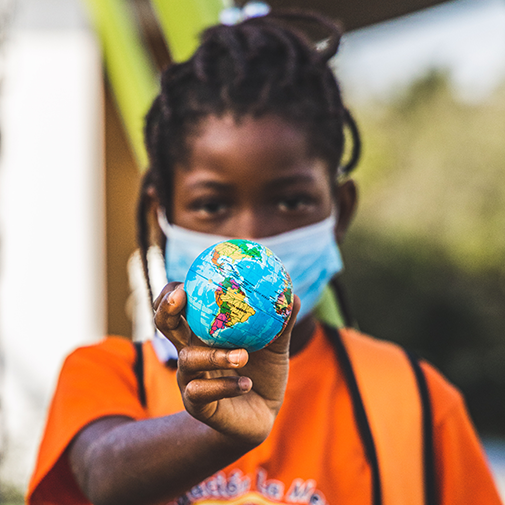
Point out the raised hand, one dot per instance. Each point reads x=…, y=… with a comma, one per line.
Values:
x=236, y=393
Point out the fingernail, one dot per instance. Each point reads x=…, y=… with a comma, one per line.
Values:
x=244, y=384
x=234, y=356
x=171, y=297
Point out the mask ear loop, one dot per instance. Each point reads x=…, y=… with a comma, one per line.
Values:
x=165, y=228
x=163, y=221
x=165, y=349
x=348, y=167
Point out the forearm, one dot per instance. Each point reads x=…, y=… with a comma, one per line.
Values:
x=153, y=461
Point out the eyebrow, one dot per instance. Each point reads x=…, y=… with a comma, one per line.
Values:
x=209, y=185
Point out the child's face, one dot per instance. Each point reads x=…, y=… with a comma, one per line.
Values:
x=250, y=180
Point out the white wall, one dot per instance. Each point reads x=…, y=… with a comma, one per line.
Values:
x=52, y=295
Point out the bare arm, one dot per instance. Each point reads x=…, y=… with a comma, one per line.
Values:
x=118, y=460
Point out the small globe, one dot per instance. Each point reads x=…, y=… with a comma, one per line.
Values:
x=239, y=295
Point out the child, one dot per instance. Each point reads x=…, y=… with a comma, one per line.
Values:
x=246, y=140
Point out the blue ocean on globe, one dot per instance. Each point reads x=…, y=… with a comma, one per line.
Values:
x=239, y=295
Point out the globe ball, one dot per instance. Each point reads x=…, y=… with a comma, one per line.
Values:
x=239, y=295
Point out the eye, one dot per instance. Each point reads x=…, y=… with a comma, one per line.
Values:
x=296, y=203
x=210, y=207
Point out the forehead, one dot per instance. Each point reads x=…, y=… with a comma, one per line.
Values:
x=268, y=134
x=256, y=148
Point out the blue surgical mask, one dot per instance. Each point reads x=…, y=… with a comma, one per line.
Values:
x=310, y=255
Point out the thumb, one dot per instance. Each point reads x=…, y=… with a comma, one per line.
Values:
x=281, y=343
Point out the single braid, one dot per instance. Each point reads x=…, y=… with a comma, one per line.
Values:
x=262, y=66
x=143, y=228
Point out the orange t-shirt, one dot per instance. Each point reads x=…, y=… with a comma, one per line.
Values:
x=314, y=454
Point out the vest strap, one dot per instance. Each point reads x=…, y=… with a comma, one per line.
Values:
x=360, y=413
x=430, y=488
x=138, y=369
x=390, y=392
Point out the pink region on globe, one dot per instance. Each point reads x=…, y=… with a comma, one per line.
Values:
x=234, y=284
x=220, y=322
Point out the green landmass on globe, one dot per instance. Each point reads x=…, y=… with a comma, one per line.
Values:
x=239, y=295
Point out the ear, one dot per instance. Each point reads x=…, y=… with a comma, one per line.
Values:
x=347, y=200
x=152, y=194
x=153, y=201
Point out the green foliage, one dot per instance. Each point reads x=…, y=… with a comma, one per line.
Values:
x=10, y=495
x=425, y=257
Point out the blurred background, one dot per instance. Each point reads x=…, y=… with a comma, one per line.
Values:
x=424, y=260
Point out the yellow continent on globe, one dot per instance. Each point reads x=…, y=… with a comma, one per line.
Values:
x=232, y=308
x=238, y=310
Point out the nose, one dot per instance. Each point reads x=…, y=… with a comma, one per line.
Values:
x=251, y=225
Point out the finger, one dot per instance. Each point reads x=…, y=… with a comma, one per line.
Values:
x=195, y=360
x=204, y=391
x=169, y=320
x=281, y=343
x=171, y=286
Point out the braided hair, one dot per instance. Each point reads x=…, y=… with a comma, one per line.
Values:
x=261, y=66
